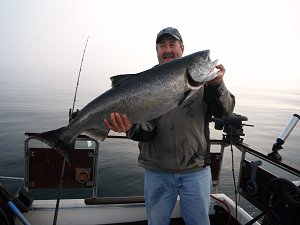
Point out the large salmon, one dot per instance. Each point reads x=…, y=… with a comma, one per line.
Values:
x=142, y=97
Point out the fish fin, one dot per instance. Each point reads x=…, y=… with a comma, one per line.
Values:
x=118, y=79
x=97, y=134
x=185, y=96
x=59, y=141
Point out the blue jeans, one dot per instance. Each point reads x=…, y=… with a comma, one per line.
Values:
x=162, y=188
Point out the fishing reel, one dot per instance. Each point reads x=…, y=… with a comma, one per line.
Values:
x=72, y=114
x=232, y=126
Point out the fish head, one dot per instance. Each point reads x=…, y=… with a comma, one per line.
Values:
x=200, y=69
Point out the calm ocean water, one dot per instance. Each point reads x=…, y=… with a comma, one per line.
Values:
x=37, y=103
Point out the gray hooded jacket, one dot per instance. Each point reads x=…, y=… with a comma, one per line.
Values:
x=179, y=140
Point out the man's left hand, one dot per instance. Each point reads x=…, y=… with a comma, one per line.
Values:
x=220, y=74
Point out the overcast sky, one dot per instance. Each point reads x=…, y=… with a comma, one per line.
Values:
x=257, y=40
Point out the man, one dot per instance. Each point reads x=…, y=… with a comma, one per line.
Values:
x=175, y=148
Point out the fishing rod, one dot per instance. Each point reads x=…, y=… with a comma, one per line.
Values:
x=71, y=111
x=58, y=191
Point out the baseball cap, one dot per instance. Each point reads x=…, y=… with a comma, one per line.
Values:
x=171, y=31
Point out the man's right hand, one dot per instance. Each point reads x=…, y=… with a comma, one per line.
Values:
x=118, y=123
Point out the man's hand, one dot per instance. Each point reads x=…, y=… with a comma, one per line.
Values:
x=118, y=123
x=220, y=74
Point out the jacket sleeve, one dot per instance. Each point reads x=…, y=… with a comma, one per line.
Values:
x=142, y=131
x=219, y=100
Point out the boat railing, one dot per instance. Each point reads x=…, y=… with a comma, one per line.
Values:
x=258, y=183
x=80, y=176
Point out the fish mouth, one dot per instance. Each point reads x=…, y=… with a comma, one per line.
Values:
x=196, y=77
x=215, y=63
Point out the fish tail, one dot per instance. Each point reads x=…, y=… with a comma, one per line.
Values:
x=58, y=140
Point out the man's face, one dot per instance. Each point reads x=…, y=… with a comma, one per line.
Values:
x=168, y=49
